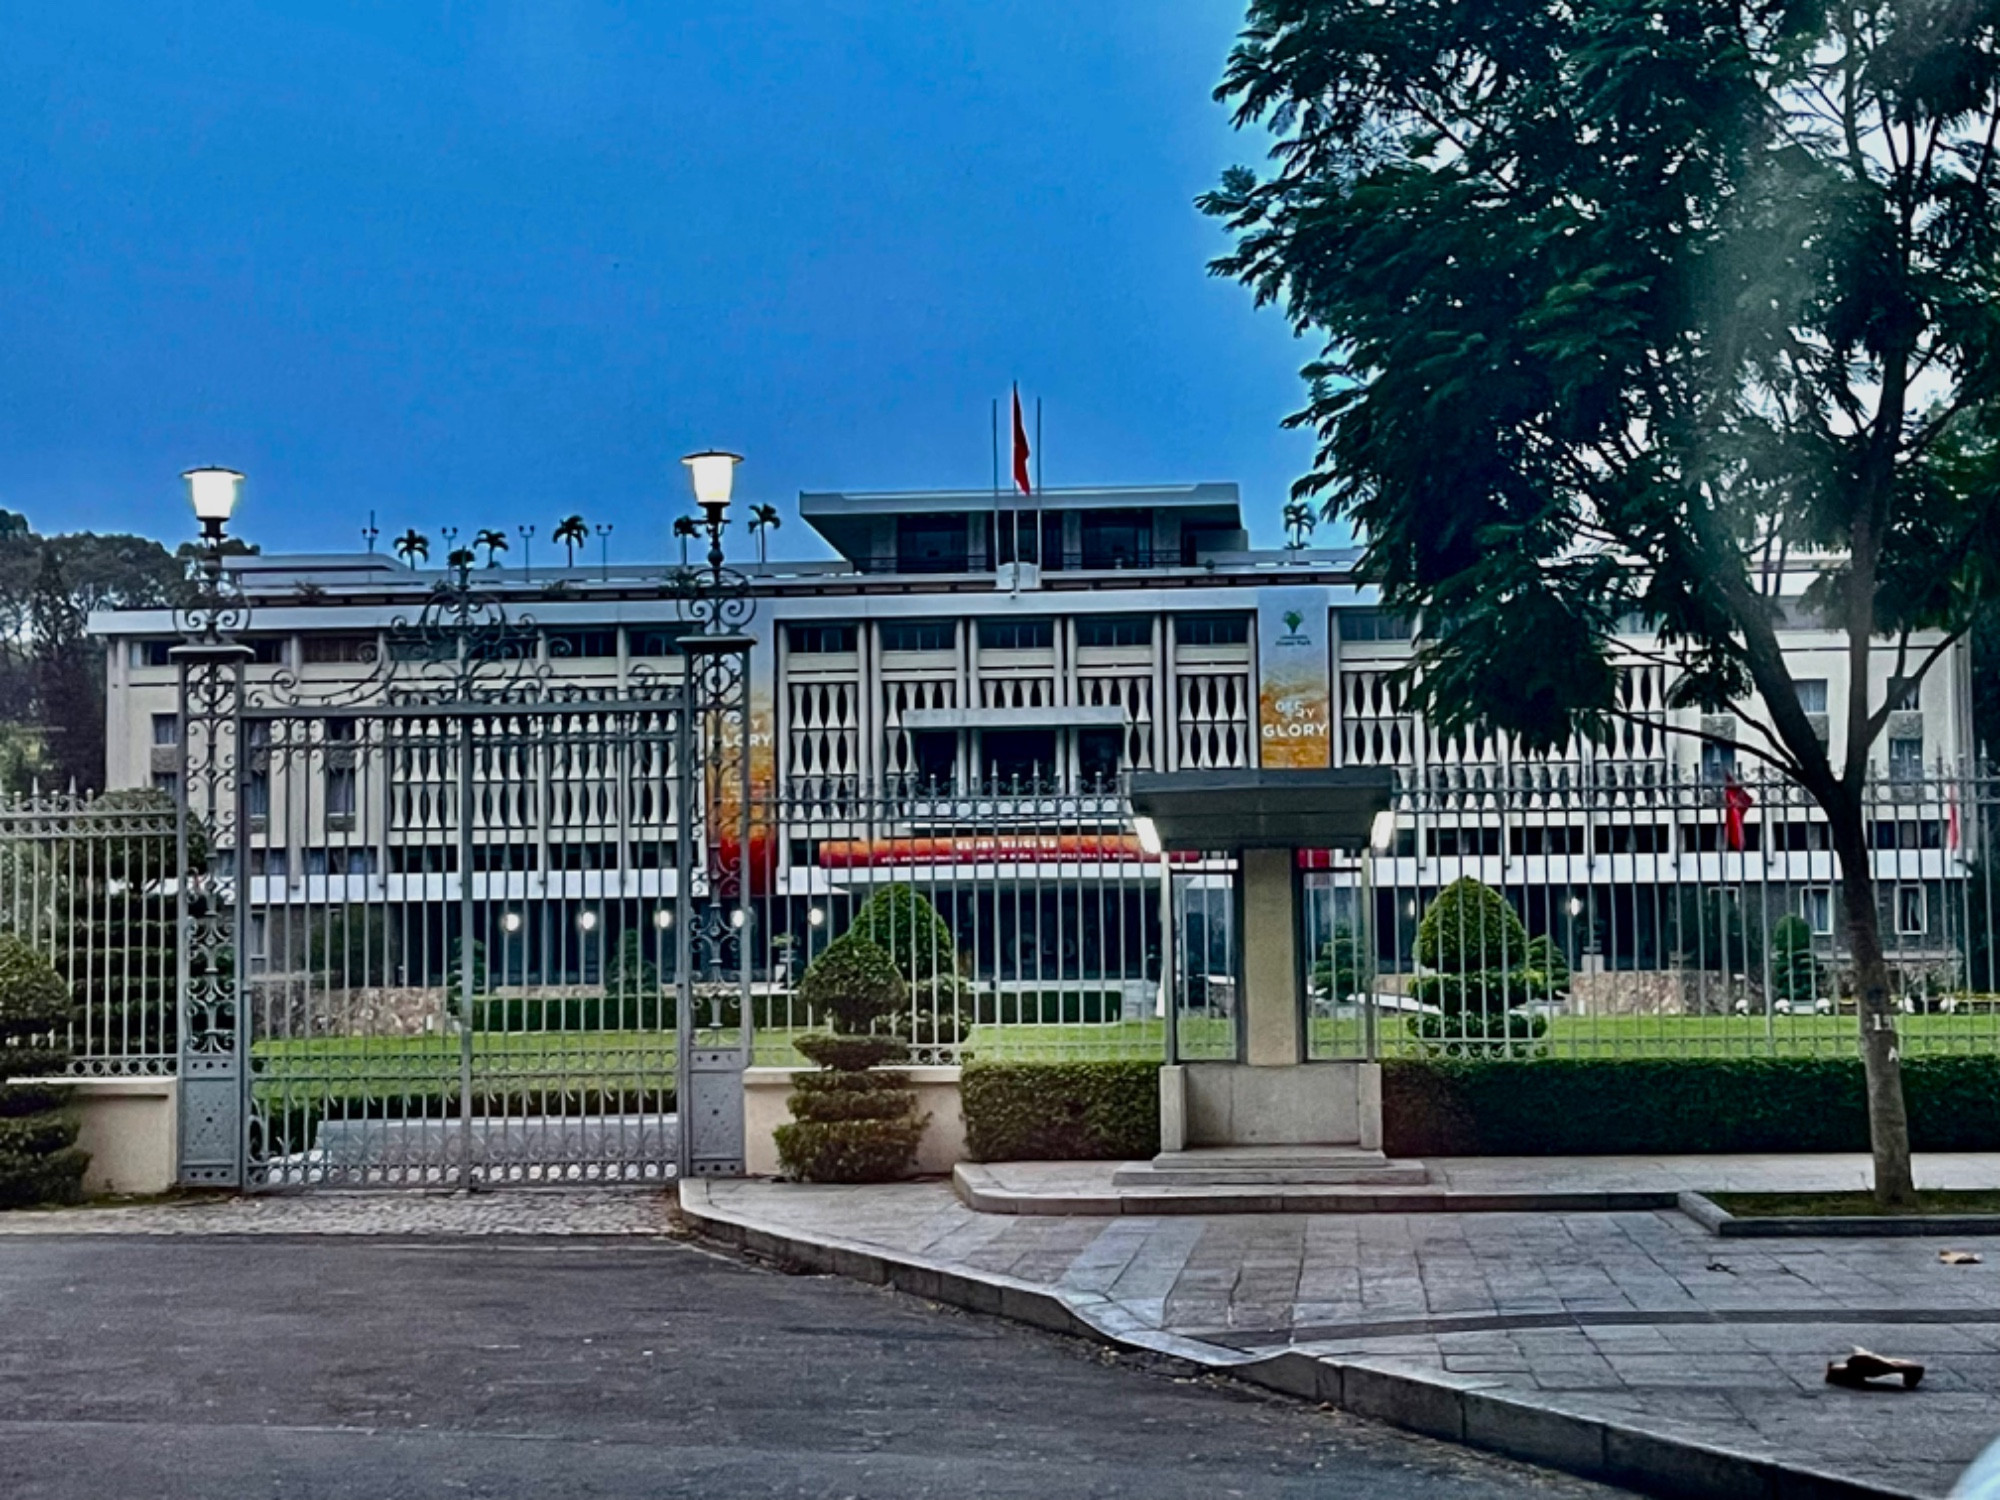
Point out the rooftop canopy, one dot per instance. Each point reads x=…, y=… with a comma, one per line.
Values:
x=1227, y=810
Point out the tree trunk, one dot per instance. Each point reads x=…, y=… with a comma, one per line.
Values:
x=1881, y=1058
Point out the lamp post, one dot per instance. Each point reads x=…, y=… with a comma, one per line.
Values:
x=213, y=1081
x=715, y=605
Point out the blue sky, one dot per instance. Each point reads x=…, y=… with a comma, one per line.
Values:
x=473, y=264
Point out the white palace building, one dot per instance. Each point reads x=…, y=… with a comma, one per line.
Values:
x=1002, y=666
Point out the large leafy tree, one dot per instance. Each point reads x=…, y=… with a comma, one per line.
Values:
x=1645, y=305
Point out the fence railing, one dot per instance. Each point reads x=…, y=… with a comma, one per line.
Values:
x=1641, y=913
x=88, y=882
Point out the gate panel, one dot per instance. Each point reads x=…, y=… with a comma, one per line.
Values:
x=458, y=925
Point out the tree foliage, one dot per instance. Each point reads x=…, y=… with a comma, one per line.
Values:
x=1665, y=309
x=39, y=1161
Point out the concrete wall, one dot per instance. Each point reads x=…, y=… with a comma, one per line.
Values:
x=764, y=1110
x=1311, y=1104
x=129, y=1127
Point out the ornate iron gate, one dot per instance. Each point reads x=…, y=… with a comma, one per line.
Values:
x=464, y=921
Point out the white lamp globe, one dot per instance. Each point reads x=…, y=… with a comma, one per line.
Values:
x=213, y=492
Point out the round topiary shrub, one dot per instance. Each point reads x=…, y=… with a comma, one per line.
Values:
x=852, y=1121
x=39, y=1162
x=1469, y=928
x=1480, y=966
x=853, y=983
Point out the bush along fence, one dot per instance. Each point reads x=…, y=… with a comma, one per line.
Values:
x=39, y=1159
x=1495, y=1107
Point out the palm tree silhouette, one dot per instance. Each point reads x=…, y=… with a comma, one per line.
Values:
x=412, y=545
x=685, y=531
x=572, y=533
x=761, y=518
x=1299, y=523
x=460, y=560
x=493, y=541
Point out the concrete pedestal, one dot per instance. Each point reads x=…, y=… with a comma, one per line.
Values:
x=1273, y=1118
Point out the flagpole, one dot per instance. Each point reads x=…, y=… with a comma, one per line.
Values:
x=993, y=545
x=1038, y=478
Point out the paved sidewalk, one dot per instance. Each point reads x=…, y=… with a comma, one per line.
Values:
x=514, y=1211
x=1639, y=1321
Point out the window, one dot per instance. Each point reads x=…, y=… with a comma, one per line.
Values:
x=658, y=640
x=168, y=782
x=1812, y=694
x=1212, y=630
x=340, y=794
x=1098, y=752
x=934, y=757
x=1904, y=694
x=270, y=650
x=1018, y=757
x=1910, y=910
x=1816, y=906
x=259, y=937
x=321, y=649
x=820, y=640
x=166, y=729
x=1017, y=635
x=1718, y=762
x=343, y=861
x=150, y=654
x=1117, y=539
x=917, y=635
x=341, y=731
x=1114, y=630
x=272, y=864
x=1906, y=758
x=591, y=643
x=930, y=544
x=1373, y=625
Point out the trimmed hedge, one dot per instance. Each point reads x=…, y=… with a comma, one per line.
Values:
x=1607, y=1107
x=1081, y=1111
x=1093, y=1111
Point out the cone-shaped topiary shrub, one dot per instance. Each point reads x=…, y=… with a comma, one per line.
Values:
x=39, y=1160
x=1479, y=967
x=901, y=921
x=851, y=1121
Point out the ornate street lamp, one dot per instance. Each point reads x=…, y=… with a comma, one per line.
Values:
x=209, y=987
x=715, y=603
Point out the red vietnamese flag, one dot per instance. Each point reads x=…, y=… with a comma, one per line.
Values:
x=1020, y=449
x=1736, y=801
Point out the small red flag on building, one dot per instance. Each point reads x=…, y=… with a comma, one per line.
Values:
x=1736, y=801
x=1020, y=448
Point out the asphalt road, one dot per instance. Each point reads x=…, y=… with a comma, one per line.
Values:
x=320, y=1369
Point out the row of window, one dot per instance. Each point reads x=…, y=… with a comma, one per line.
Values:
x=1020, y=635
x=803, y=639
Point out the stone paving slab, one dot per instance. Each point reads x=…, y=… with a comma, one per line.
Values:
x=1613, y=1330
x=514, y=1211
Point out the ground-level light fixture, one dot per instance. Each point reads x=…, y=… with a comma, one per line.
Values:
x=511, y=922
x=664, y=917
x=1576, y=906
x=738, y=917
x=816, y=917
x=587, y=921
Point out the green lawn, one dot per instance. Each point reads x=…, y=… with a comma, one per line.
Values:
x=636, y=1062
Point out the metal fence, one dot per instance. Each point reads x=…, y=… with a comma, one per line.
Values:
x=1643, y=912
x=88, y=882
x=1637, y=910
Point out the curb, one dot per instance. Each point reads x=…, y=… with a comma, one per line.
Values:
x=977, y=1189
x=1468, y=1410
x=1719, y=1221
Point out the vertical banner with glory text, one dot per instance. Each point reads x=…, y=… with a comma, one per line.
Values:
x=1294, y=694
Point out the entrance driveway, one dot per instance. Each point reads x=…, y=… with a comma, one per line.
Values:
x=322, y=1366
